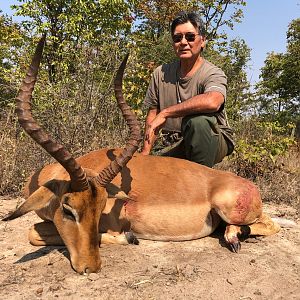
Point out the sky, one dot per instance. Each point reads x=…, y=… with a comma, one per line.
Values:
x=263, y=27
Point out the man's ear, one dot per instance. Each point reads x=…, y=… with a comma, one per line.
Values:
x=204, y=43
x=115, y=192
x=39, y=199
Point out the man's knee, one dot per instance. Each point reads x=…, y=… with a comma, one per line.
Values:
x=202, y=136
x=196, y=124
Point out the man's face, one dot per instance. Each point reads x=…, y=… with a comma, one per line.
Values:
x=187, y=42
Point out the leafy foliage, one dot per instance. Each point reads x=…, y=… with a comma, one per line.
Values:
x=11, y=46
x=278, y=93
x=260, y=146
x=156, y=15
x=71, y=23
x=233, y=60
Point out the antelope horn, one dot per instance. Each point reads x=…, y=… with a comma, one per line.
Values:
x=111, y=171
x=23, y=110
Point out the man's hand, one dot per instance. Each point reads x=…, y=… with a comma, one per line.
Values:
x=154, y=122
x=152, y=113
x=153, y=128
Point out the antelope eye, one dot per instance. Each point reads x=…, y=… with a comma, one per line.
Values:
x=67, y=210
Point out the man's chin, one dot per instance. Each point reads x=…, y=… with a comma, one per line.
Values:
x=184, y=55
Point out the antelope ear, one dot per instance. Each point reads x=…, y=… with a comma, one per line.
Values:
x=115, y=192
x=39, y=199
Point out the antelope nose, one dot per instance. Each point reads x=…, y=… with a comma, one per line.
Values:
x=87, y=271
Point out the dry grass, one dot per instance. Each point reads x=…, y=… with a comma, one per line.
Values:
x=282, y=183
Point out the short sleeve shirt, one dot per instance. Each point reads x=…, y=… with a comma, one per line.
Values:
x=167, y=88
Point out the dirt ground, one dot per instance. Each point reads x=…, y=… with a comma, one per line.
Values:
x=266, y=268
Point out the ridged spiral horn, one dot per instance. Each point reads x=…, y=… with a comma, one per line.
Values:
x=23, y=109
x=111, y=171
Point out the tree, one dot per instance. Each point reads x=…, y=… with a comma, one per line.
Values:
x=278, y=93
x=155, y=16
x=11, y=45
x=233, y=60
x=74, y=22
x=291, y=72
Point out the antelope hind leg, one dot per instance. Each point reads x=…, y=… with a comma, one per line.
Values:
x=44, y=234
x=263, y=226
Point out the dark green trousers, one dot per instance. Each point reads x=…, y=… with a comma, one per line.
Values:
x=201, y=142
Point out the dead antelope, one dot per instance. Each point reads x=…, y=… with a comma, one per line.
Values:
x=157, y=198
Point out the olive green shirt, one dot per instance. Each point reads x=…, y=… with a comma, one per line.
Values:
x=166, y=88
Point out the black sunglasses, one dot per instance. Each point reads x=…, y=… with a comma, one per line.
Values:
x=189, y=36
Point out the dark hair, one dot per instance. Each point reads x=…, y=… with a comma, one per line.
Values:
x=185, y=17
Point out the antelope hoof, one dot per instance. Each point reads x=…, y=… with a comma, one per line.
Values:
x=235, y=246
x=131, y=238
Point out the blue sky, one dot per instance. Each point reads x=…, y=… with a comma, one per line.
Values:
x=263, y=27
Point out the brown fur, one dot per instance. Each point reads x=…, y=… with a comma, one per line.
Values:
x=168, y=199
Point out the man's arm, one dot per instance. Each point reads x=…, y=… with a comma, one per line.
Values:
x=148, y=143
x=205, y=103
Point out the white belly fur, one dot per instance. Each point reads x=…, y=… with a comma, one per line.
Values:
x=199, y=230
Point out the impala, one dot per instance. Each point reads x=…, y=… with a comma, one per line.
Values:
x=117, y=196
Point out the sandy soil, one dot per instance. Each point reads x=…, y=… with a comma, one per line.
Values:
x=266, y=268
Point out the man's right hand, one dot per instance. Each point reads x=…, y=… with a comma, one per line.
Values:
x=145, y=152
x=152, y=113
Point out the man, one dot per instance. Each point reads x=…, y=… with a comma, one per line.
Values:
x=186, y=99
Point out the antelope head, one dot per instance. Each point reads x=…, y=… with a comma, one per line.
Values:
x=73, y=203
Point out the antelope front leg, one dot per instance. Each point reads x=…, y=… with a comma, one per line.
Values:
x=44, y=234
x=123, y=238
